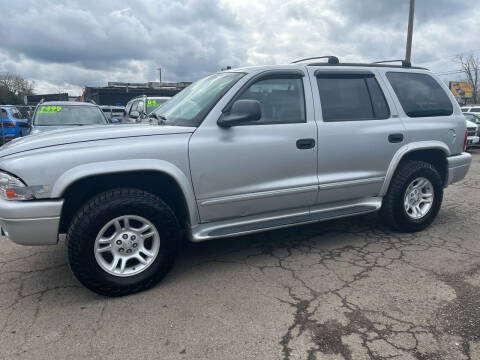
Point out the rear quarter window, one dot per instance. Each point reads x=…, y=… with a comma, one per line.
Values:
x=420, y=95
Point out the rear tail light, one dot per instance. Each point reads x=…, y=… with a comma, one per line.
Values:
x=465, y=140
x=9, y=124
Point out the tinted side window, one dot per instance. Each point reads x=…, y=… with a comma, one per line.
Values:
x=281, y=100
x=420, y=94
x=347, y=97
x=475, y=109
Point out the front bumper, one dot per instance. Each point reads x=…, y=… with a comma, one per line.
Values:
x=31, y=222
x=458, y=166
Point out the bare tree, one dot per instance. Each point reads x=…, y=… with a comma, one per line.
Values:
x=16, y=84
x=13, y=88
x=470, y=66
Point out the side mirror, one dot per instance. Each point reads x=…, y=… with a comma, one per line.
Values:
x=134, y=114
x=115, y=120
x=242, y=112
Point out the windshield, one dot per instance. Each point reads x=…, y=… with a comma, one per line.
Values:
x=189, y=106
x=152, y=104
x=65, y=115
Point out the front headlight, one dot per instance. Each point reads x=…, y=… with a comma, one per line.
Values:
x=12, y=188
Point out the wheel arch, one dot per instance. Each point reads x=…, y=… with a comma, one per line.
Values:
x=159, y=177
x=434, y=152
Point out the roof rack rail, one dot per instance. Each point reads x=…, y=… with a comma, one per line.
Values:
x=405, y=63
x=331, y=59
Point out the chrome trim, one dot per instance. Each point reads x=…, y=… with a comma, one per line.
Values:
x=257, y=195
x=347, y=183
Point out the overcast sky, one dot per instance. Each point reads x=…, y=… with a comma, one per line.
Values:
x=66, y=45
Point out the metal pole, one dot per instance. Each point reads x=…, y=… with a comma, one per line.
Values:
x=3, y=130
x=160, y=74
x=408, y=54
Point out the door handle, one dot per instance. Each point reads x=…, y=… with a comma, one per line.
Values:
x=303, y=144
x=395, y=138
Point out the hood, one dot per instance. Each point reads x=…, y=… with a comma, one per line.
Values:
x=87, y=133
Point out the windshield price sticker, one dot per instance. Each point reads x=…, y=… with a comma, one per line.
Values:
x=152, y=103
x=49, y=109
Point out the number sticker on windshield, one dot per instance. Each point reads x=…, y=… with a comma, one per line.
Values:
x=152, y=103
x=49, y=109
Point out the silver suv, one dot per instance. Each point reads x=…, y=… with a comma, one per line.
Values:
x=237, y=152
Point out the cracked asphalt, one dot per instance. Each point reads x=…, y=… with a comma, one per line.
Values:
x=346, y=289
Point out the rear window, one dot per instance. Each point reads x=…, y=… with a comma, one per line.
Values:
x=348, y=97
x=475, y=109
x=420, y=95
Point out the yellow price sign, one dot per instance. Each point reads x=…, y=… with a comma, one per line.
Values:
x=49, y=109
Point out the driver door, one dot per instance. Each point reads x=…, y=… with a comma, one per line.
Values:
x=262, y=167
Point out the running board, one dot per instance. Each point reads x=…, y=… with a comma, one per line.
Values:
x=227, y=228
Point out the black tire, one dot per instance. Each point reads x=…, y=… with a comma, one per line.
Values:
x=393, y=211
x=100, y=210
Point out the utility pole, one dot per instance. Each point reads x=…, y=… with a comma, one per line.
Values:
x=160, y=74
x=408, y=53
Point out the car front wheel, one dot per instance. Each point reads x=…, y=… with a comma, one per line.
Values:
x=122, y=241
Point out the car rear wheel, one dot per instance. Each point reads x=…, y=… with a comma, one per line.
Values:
x=122, y=241
x=414, y=197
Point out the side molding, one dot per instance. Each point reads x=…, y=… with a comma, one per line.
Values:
x=112, y=167
x=404, y=150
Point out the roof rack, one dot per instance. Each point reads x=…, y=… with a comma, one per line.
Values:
x=331, y=59
x=405, y=63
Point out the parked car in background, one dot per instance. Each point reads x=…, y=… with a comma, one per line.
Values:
x=475, y=118
x=114, y=114
x=471, y=109
x=138, y=109
x=238, y=152
x=54, y=115
x=14, y=124
x=26, y=111
x=473, y=134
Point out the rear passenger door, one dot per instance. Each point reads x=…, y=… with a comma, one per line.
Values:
x=426, y=108
x=359, y=131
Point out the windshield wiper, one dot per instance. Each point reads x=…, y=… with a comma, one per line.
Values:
x=160, y=118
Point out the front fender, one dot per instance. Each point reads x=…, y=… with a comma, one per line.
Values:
x=111, y=167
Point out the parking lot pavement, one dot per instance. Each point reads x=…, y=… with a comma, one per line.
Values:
x=343, y=289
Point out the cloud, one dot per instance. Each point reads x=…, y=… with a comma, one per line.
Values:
x=67, y=45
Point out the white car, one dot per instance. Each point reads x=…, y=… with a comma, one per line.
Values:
x=471, y=109
x=472, y=129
